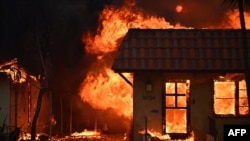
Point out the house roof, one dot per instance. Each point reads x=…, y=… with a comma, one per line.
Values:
x=181, y=50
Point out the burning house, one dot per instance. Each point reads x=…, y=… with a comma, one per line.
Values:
x=187, y=83
x=18, y=97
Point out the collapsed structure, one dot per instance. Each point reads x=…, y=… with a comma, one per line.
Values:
x=18, y=97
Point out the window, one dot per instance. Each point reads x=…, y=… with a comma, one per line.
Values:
x=243, y=101
x=230, y=98
x=176, y=95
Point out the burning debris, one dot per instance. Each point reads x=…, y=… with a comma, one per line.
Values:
x=86, y=134
x=151, y=135
x=16, y=73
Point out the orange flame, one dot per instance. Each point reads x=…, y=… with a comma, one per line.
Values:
x=225, y=98
x=86, y=133
x=103, y=88
x=108, y=90
x=115, y=24
x=224, y=90
x=165, y=137
x=232, y=19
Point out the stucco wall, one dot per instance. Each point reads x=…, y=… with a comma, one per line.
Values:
x=147, y=105
x=202, y=94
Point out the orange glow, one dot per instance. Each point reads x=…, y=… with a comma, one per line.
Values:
x=106, y=89
x=224, y=97
x=179, y=8
x=165, y=137
x=153, y=133
x=115, y=24
x=232, y=19
x=86, y=134
x=243, y=101
x=176, y=121
x=176, y=106
x=225, y=100
x=103, y=88
x=16, y=73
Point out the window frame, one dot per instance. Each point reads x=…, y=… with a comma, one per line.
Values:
x=176, y=96
x=236, y=101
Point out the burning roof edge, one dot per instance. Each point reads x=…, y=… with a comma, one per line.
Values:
x=16, y=73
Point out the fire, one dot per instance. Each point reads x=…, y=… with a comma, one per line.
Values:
x=232, y=19
x=108, y=90
x=16, y=73
x=176, y=104
x=166, y=137
x=243, y=101
x=86, y=134
x=225, y=99
x=103, y=88
x=115, y=24
x=224, y=90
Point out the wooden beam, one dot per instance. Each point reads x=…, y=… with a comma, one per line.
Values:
x=125, y=79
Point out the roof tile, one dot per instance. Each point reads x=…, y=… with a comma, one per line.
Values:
x=181, y=50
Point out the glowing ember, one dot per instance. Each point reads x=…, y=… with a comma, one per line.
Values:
x=153, y=133
x=166, y=137
x=27, y=136
x=179, y=8
x=16, y=73
x=85, y=133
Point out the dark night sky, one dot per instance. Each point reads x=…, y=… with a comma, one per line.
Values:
x=68, y=20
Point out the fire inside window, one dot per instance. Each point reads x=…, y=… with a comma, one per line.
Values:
x=176, y=95
x=230, y=98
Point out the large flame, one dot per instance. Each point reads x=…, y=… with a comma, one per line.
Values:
x=114, y=25
x=103, y=88
x=232, y=19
